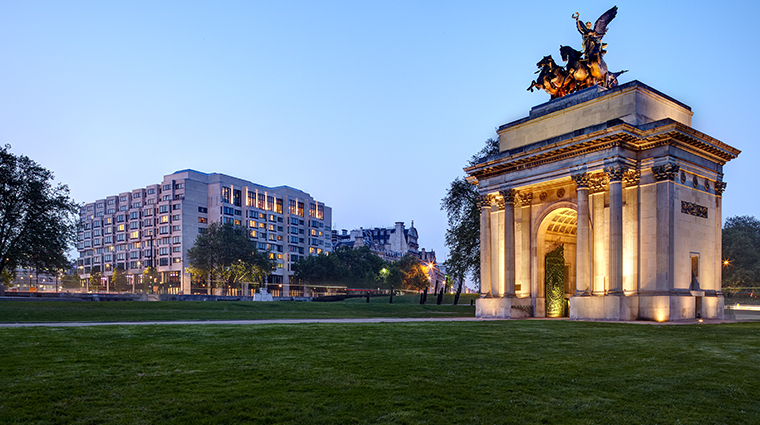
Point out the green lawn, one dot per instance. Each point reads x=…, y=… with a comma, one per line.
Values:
x=431, y=373
x=56, y=311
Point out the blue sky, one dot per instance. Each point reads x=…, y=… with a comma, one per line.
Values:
x=372, y=107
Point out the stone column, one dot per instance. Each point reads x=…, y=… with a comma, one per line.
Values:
x=485, y=245
x=664, y=243
x=720, y=186
x=509, y=241
x=582, y=254
x=615, y=174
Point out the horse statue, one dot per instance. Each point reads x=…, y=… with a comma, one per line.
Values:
x=584, y=68
x=577, y=68
x=551, y=78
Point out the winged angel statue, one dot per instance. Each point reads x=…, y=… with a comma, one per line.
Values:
x=584, y=68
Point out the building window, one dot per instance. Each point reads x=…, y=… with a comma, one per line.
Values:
x=176, y=228
x=163, y=209
x=226, y=195
x=163, y=261
x=253, y=233
x=203, y=210
x=202, y=220
x=164, y=219
x=179, y=186
x=120, y=218
x=695, y=271
x=177, y=206
x=134, y=215
x=236, y=197
x=123, y=199
x=163, y=230
x=134, y=225
x=151, y=191
x=251, y=199
x=167, y=187
x=135, y=235
x=176, y=239
x=166, y=198
x=136, y=195
x=228, y=211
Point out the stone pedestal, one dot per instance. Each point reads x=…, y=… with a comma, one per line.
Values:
x=604, y=308
x=493, y=308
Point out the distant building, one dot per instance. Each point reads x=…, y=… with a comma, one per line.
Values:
x=391, y=244
x=154, y=226
x=26, y=279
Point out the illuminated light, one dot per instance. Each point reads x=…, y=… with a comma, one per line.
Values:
x=700, y=320
x=726, y=262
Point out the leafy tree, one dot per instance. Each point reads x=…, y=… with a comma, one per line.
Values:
x=741, y=247
x=463, y=233
x=71, y=281
x=319, y=270
x=96, y=280
x=150, y=277
x=37, y=218
x=226, y=251
x=119, y=282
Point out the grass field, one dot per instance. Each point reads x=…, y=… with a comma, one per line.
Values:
x=57, y=311
x=408, y=373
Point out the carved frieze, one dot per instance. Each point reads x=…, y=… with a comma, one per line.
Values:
x=693, y=209
x=542, y=197
x=707, y=185
x=560, y=192
x=695, y=181
x=667, y=171
x=615, y=172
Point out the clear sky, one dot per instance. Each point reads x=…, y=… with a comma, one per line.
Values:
x=373, y=107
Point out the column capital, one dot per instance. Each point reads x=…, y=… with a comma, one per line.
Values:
x=484, y=201
x=525, y=198
x=632, y=178
x=508, y=195
x=582, y=180
x=615, y=172
x=500, y=203
x=720, y=186
x=665, y=171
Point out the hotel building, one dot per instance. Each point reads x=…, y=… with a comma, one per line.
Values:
x=154, y=226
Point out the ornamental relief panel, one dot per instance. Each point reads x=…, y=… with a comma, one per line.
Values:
x=693, y=209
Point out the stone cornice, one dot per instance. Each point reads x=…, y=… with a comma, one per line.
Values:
x=661, y=133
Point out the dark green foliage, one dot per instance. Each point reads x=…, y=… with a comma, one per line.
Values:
x=503, y=372
x=37, y=219
x=119, y=281
x=463, y=233
x=555, y=282
x=741, y=246
x=360, y=268
x=227, y=256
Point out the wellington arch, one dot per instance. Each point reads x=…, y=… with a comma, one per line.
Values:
x=603, y=204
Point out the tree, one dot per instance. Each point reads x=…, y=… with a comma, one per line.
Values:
x=37, y=218
x=226, y=251
x=150, y=277
x=119, y=282
x=71, y=281
x=741, y=247
x=463, y=213
x=96, y=280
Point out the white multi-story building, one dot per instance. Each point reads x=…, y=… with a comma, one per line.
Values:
x=154, y=226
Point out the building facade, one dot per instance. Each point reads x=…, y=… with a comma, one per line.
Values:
x=392, y=244
x=154, y=226
x=603, y=204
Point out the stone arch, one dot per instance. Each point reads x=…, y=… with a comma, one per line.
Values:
x=554, y=225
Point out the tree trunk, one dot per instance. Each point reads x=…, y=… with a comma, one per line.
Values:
x=459, y=291
x=208, y=284
x=391, y=302
x=440, y=298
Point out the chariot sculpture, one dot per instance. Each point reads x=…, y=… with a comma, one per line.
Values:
x=584, y=68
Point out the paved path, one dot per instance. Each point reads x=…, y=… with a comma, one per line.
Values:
x=247, y=322
x=750, y=317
